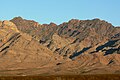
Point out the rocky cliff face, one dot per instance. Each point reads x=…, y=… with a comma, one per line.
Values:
x=74, y=47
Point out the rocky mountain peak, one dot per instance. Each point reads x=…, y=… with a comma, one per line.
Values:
x=52, y=24
x=72, y=21
x=18, y=18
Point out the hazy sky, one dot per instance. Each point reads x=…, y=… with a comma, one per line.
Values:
x=58, y=11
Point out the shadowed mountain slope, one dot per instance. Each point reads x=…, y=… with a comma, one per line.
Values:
x=73, y=47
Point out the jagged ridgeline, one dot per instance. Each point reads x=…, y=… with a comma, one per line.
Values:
x=73, y=47
x=71, y=37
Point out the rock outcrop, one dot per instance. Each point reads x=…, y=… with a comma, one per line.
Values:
x=8, y=25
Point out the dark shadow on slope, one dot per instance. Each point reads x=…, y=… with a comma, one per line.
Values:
x=116, y=36
x=92, y=52
x=78, y=53
x=110, y=51
x=5, y=48
x=72, y=33
x=110, y=62
x=108, y=44
x=118, y=50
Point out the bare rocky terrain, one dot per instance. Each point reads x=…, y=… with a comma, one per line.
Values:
x=74, y=47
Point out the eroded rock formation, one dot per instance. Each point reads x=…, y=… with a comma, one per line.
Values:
x=74, y=47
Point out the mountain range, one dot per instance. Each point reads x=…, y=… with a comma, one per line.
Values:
x=74, y=47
